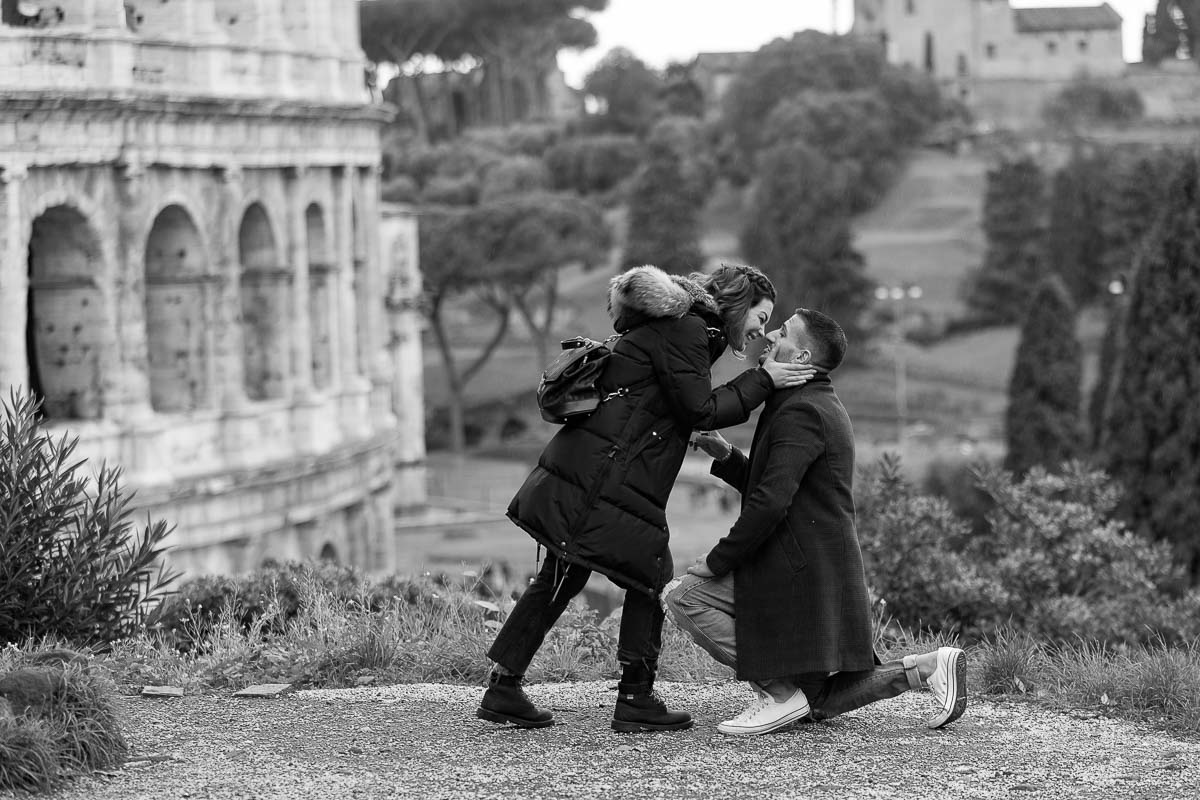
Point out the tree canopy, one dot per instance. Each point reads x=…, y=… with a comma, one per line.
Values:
x=628, y=89
x=397, y=31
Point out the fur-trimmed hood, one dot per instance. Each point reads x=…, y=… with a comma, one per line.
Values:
x=645, y=293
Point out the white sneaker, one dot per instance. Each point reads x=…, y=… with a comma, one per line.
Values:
x=949, y=686
x=765, y=715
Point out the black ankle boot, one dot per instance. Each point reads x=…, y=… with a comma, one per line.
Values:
x=505, y=701
x=640, y=709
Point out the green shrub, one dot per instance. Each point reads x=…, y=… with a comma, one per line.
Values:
x=516, y=175
x=592, y=164
x=914, y=551
x=400, y=189
x=451, y=191
x=956, y=482
x=71, y=564
x=1070, y=570
x=1087, y=101
x=1051, y=560
x=524, y=139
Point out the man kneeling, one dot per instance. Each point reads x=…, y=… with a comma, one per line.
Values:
x=782, y=598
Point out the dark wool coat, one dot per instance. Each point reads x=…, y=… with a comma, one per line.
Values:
x=800, y=592
x=598, y=495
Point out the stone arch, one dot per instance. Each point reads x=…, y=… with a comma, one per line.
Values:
x=66, y=322
x=265, y=286
x=329, y=554
x=178, y=299
x=321, y=295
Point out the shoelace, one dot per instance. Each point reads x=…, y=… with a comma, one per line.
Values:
x=756, y=706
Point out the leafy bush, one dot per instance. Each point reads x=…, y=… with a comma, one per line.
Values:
x=1088, y=101
x=593, y=164
x=914, y=551
x=71, y=564
x=1068, y=568
x=400, y=189
x=955, y=481
x=525, y=139
x=458, y=191
x=1051, y=561
x=516, y=175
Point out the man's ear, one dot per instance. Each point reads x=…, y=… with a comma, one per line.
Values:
x=803, y=357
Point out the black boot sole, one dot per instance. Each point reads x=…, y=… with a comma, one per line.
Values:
x=622, y=726
x=508, y=719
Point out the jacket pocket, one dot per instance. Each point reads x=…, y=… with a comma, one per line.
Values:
x=792, y=551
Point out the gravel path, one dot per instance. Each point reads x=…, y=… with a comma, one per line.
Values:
x=424, y=741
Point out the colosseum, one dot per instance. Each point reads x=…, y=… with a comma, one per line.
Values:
x=198, y=278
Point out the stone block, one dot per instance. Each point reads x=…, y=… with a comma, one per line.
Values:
x=162, y=691
x=264, y=690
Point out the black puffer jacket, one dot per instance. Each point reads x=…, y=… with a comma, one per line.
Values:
x=598, y=495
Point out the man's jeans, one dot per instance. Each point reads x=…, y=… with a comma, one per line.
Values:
x=639, y=640
x=704, y=609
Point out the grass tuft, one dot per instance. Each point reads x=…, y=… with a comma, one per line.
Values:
x=29, y=755
x=76, y=729
x=1011, y=662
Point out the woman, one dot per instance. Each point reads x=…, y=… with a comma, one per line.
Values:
x=597, y=498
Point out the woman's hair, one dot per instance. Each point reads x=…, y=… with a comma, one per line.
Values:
x=737, y=289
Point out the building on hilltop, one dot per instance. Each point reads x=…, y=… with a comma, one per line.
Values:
x=992, y=55
x=192, y=275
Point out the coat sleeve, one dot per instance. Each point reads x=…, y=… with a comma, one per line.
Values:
x=734, y=470
x=795, y=440
x=685, y=373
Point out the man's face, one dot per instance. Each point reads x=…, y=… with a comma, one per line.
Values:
x=789, y=343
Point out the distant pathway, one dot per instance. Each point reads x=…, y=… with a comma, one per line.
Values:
x=424, y=742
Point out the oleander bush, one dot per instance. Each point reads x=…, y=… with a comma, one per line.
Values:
x=73, y=566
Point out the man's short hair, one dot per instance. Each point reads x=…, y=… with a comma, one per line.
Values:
x=828, y=338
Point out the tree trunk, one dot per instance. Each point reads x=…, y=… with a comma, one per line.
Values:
x=458, y=441
x=541, y=333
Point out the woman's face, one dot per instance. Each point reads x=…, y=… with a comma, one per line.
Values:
x=756, y=320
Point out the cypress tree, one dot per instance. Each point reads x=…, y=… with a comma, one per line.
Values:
x=1014, y=222
x=1154, y=422
x=664, y=211
x=1075, y=241
x=1110, y=354
x=1043, y=420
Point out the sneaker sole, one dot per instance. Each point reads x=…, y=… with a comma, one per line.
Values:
x=520, y=722
x=956, y=687
x=798, y=714
x=621, y=726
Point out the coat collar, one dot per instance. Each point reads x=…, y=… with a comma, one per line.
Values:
x=643, y=294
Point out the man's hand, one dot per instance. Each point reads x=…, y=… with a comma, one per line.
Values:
x=700, y=568
x=712, y=443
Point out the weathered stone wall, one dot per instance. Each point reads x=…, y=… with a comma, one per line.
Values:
x=194, y=280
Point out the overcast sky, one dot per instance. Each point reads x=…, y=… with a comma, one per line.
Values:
x=660, y=31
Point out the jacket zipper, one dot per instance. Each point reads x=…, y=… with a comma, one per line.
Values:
x=592, y=494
